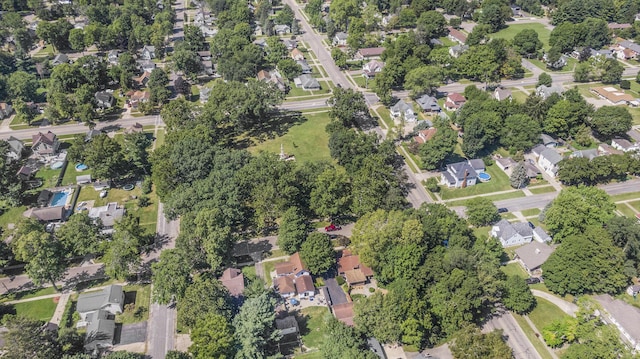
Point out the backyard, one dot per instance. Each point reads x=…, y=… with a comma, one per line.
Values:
x=510, y=32
x=137, y=299
x=312, y=327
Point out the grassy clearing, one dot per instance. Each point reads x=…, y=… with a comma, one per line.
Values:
x=416, y=159
x=510, y=32
x=160, y=135
x=519, y=96
x=313, y=326
x=545, y=313
x=482, y=231
x=385, y=116
x=625, y=196
x=499, y=182
x=512, y=269
x=48, y=176
x=528, y=331
x=626, y=210
x=11, y=215
x=307, y=141
x=530, y=212
x=38, y=309
x=539, y=190
x=137, y=299
x=28, y=294
x=268, y=268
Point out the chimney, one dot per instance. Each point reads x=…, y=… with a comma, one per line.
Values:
x=537, y=250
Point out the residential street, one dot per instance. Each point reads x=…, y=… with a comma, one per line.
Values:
x=517, y=340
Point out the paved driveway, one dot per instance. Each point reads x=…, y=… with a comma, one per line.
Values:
x=131, y=333
x=336, y=294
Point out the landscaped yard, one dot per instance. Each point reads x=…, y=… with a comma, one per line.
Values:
x=545, y=313
x=38, y=309
x=499, y=182
x=137, y=299
x=514, y=269
x=313, y=326
x=307, y=141
x=385, y=116
x=48, y=176
x=510, y=32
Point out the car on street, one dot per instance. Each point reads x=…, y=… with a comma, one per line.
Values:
x=503, y=210
x=332, y=227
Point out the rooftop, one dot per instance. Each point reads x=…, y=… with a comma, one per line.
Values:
x=92, y=301
x=233, y=280
x=534, y=254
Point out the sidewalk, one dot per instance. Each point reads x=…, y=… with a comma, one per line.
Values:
x=62, y=304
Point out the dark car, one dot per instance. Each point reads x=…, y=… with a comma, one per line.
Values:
x=332, y=227
x=503, y=210
x=533, y=226
x=533, y=280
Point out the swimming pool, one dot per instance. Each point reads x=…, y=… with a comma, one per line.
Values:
x=81, y=167
x=484, y=177
x=59, y=199
x=57, y=165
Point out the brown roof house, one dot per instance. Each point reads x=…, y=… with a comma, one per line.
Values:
x=296, y=54
x=294, y=266
x=46, y=214
x=233, y=280
x=454, y=101
x=138, y=97
x=350, y=267
x=456, y=35
x=285, y=287
x=305, y=287
x=45, y=144
x=369, y=53
x=425, y=135
x=344, y=313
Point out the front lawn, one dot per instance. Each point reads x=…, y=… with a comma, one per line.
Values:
x=544, y=189
x=27, y=294
x=625, y=196
x=38, y=309
x=510, y=32
x=545, y=313
x=531, y=212
x=512, y=269
x=137, y=299
x=48, y=176
x=626, y=210
x=307, y=141
x=499, y=182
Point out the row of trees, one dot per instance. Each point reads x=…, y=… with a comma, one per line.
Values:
x=602, y=169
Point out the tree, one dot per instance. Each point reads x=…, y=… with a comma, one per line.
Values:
x=317, y=253
x=423, y=80
x=611, y=121
x=495, y=13
x=205, y=296
x=344, y=342
x=347, y=107
x=518, y=296
x=79, y=235
x=330, y=197
x=544, y=79
x=586, y=262
x=339, y=57
x=577, y=208
x=255, y=327
x=212, y=337
x=431, y=24
x=171, y=276
x=435, y=152
x=527, y=43
x=289, y=68
x=519, y=177
x=341, y=11
x=481, y=211
x=123, y=253
x=23, y=86
x=285, y=16
x=520, y=133
x=293, y=231
x=76, y=40
x=135, y=153
x=193, y=38
x=174, y=354
x=104, y=155
x=612, y=71
x=29, y=338
x=187, y=61
x=43, y=254
x=471, y=343
x=158, y=82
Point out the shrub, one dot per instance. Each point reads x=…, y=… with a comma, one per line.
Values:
x=146, y=185
x=431, y=184
x=625, y=84
x=371, y=289
x=340, y=280
x=143, y=201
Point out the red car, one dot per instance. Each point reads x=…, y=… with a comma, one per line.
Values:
x=332, y=227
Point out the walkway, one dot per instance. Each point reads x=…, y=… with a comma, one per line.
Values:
x=565, y=306
x=62, y=305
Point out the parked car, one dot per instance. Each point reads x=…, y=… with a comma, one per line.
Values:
x=332, y=227
x=533, y=226
x=533, y=280
x=503, y=210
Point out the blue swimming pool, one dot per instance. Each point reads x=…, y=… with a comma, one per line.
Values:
x=59, y=199
x=81, y=167
x=484, y=177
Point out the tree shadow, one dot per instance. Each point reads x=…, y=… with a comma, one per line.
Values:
x=277, y=124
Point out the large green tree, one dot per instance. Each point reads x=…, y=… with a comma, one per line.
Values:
x=330, y=195
x=171, y=276
x=206, y=295
x=212, y=337
x=255, y=327
x=29, y=338
x=518, y=296
x=470, y=343
x=423, y=80
x=79, y=235
x=292, y=231
x=611, y=121
x=317, y=253
x=104, y=155
x=481, y=211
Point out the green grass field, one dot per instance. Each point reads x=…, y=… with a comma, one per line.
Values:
x=528, y=331
x=545, y=313
x=307, y=141
x=539, y=190
x=314, y=328
x=499, y=182
x=625, y=196
x=11, y=215
x=625, y=210
x=510, y=32
x=38, y=309
x=531, y=212
x=635, y=204
x=28, y=294
x=140, y=297
x=514, y=269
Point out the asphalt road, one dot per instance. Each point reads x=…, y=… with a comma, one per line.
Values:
x=516, y=339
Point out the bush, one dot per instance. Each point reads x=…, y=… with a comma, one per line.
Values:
x=371, y=289
x=431, y=184
x=625, y=84
x=488, y=161
x=340, y=280
x=146, y=185
x=143, y=201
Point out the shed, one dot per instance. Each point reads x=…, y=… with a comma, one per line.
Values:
x=84, y=179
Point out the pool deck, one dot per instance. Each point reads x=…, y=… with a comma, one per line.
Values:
x=69, y=196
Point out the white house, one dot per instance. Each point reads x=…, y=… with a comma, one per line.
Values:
x=44, y=144
x=624, y=145
x=340, y=39
x=148, y=52
x=371, y=68
x=546, y=91
x=305, y=287
x=16, y=149
x=462, y=174
x=403, y=109
x=512, y=234
x=456, y=50
x=549, y=160
x=540, y=235
x=282, y=29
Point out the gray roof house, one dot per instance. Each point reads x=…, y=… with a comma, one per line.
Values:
x=204, y=94
x=533, y=255
x=108, y=214
x=110, y=299
x=16, y=149
x=512, y=234
x=541, y=235
x=403, y=109
x=306, y=82
x=502, y=94
x=549, y=160
x=340, y=39
x=544, y=91
x=146, y=66
x=101, y=329
x=428, y=103
x=148, y=52
x=457, y=50
x=588, y=154
x=462, y=174
x=623, y=145
x=112, y=57
x=60, y=59
x=548, y=141
x=624, y=316
x=91, y=134
x=282, y=29
x=306, y=69
x=104, y=99
x=560, y=63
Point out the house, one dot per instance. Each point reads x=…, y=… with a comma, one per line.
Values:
x=454, y=101
x=354, y=272
x=456, y=35
x=505, y=163
x=112, y=57
x=428, y=103
x=138, y=97
x=108, y=215
x=285, y=287
x=614, y=96
x=624, y=316
x=371, y=68
x=306, y=82
x=546, y=91
x=296, y=54
x=16, y=149
x=100, y=334
x=5, y=110
x=516, y=11
x=273, y=77
x=205, y=92
x=604, y=150
x=305, y=287
x=633, y=290
x=344, y=313
x=146, y=65
x=294, y=266
x=541, y=235
x=532, y=170
x=83, y=179
x=532, y=256
x=537, y=149
x=425, y=135
x=627, y=50
x=634, y=135
x=208, y=31
x=204, y=55
x=462, y=174
x=143, y=79
x=45, y=144
x=549, y=160
x=511, y=234
x=233, y=280
x=261, y=42
x=44, y=197
x=42, y=68
x=456, y=50
x=104, y=99
x=60, y=59
x=403, y=110
x=558, y=64
x=606, y=53
x=46, y=214
x=502, y=94
x=340, y=39
x=290, y=44
x=588, y=154
x=148, y=52
x=282, y=29
x=207, y=67
x=548, y=141
x=304, y=66
x=110, y=299
x=624, y=145
x=369, y=53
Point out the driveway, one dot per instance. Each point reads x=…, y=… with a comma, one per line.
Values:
x=565, y=306
x=336, y=294
x=131, y=333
